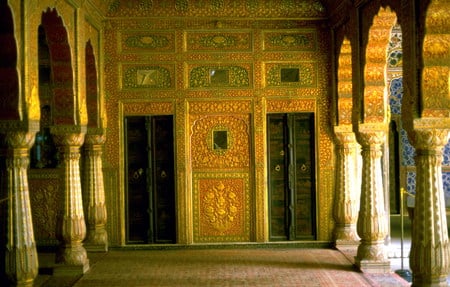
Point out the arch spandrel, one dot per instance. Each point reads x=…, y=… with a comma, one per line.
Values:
x=344, y=85
x=375, y=92
x=435, y=79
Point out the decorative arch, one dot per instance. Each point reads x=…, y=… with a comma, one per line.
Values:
x=435, y=78
x=344, y=84
x=375, y=101
x=92, y=99
x=9, y=80
x=63, y=98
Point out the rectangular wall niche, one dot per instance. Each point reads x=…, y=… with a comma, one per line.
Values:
x=290, y=75
x=148, y=77
x=220, y=140
x=218, y=77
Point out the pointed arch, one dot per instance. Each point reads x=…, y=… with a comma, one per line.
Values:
x=92, y=96
x=344, y=84
x=375, y=102
x=63, y=98
x=435, y=78
x=9, y=80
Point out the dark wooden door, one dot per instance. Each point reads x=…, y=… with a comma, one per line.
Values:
x=150, y=179
x=291, y=157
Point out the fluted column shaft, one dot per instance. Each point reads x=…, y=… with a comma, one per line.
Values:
x=97, y=237
x=21, y=255
x=346, y=203
x=429, y=256
x=71, y=226
x=372, y=225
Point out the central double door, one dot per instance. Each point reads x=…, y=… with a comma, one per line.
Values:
x=150, y=180
x=291, y=176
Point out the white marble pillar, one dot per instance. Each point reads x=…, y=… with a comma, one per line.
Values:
x=71, y=226
x=347, y=193
x=372, y=225
x=94, y=191
x=429, y=256
x=21, y=255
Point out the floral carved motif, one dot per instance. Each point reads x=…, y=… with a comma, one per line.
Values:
x=299, y=41
x=237, y=153
x=222, y=41
x=222, y=207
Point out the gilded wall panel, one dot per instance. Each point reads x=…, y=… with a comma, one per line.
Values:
x=218, y=8
x=286, y=106
x=146, y=42
x=113, y=201
x=221, y=207
x=290, y=40
x=218, y=41
x=45, y=199
x=200, y=107
x=291, y=74
x=151, y=76
x=220, y=76
x=220, y=142
x=140, y=107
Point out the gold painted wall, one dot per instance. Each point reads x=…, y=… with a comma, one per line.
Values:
x=222, y=74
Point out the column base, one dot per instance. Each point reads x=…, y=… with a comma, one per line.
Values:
x=347, y=244
x=95, y=247
x=372, y=266
x=432, y=282
x=70, y=270
x=97, y=241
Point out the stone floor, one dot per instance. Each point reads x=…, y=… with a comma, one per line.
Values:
x=233, y=265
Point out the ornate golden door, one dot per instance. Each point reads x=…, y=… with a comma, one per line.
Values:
x=150, y=179
x=291, y=156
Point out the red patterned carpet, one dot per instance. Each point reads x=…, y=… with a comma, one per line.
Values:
x=226, y=267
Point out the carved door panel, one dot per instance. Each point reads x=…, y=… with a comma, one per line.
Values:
x=150, y=180
x=291, y=166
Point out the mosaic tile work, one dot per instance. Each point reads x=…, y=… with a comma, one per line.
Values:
x=446, y=158
x=408, y=151
x=395, y=98
x=446, y=184
x=411, y=182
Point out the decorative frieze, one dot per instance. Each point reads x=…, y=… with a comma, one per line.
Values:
x=297, y=40
x=219, y=41
x=146, y=42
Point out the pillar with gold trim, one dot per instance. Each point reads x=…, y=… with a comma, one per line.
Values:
x=372, y=224
x=94, y=193
x=346, y=203
x=21, y=256
x=71, y=257
x=430, y=252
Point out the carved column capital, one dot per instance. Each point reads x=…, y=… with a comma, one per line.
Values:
x=95, y=139
x=369, y=135
x=431, y=139
x=20, y=139
x=70, y=139
x=344, y=135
